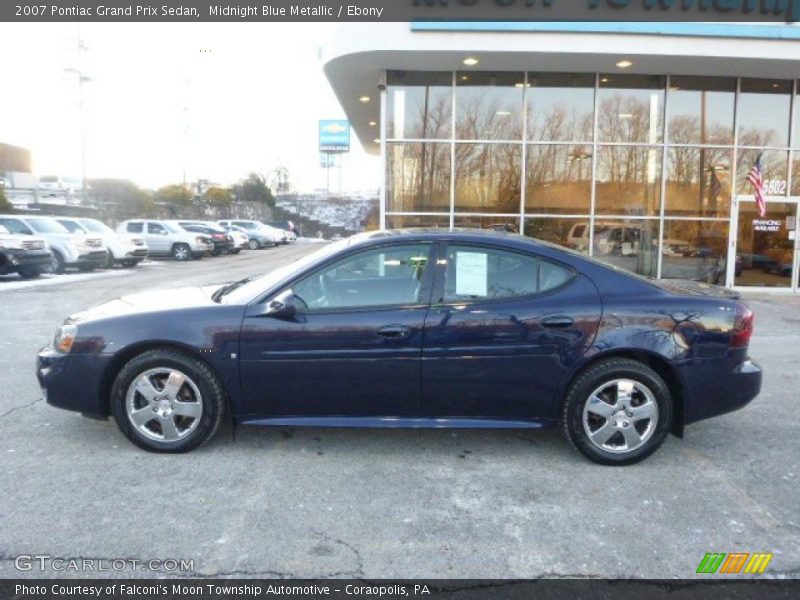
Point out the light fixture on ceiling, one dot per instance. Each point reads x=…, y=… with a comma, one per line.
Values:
x=364, y=99
x=471, y=61
x=625, y=115
x=604, y=80
x=373, y=123
x=624, y=64
x=503, y=113
x=377, y=140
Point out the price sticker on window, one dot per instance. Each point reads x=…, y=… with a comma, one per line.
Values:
x=471, y=273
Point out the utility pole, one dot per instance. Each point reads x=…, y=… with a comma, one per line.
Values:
x=81, y=107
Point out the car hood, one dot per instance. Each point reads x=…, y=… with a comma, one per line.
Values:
x=149, y=302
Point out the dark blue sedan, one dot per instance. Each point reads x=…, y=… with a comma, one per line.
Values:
x=414, y=328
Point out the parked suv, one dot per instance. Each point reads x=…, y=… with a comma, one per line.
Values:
x=126, y=250
x=166, y=238
x=69, y=250
x=223, y=242
x=26, y=255
x=260, y=235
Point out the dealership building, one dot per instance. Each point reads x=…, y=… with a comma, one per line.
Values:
x=632, y=142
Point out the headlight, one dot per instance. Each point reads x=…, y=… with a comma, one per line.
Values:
x=65, y=337
x=11, y=243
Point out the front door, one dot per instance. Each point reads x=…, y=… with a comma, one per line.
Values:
x=156, y=237
x=766, y=246
x=353, y=349
x=502, y=330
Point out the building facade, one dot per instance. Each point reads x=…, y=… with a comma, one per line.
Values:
x=630, y=142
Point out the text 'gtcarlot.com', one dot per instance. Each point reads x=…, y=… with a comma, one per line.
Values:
x=44, y=562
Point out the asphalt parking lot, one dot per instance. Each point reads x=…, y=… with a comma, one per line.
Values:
x=299, y=502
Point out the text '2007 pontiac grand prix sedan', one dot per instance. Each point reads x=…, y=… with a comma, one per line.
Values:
x=414, y=328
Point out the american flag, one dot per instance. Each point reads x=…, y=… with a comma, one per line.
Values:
x=754, y=177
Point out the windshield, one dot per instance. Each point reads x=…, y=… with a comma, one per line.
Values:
x=96, y=226
x=258, y=285
x=47, y=226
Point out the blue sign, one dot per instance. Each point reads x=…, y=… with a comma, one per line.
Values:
x=334, y=136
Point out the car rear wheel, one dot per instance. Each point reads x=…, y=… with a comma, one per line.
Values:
x=109, y=260
x=167, y=401
x=617, y=412
x=181, y=252
x=57, y=264
x=29, y=272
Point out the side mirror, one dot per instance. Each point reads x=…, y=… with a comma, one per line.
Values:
x=164, y=232
x=282, y=306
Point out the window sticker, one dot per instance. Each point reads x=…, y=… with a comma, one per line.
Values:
x=471, y=273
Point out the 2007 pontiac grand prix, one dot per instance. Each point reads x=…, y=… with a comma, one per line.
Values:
x=414, y=328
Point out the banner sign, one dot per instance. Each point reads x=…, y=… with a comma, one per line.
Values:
x=334, y=136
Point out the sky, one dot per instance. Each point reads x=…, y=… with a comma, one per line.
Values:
x=218, y=100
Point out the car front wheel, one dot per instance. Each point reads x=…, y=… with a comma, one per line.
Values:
x=253, y=245
x=167, y=401
x=617, y=412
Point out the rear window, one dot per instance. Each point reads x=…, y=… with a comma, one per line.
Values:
x=135, y=227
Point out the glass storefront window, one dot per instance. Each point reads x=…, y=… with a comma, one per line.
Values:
x=560, y=106
x=401, y=221
x=418, y=177
x=630, y=244
x=773, y=171
x=698, y=182
x=763, y=112
x=695, y=250
x=571, y=233
x=558, y=179
x=489, y=106
x=488, y=178
x=796, y=134
x=498, y=223
x=419, y=105
x=628, y=181
x=701, y=110
x=631, y=108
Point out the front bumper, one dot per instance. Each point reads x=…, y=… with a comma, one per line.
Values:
x=94, y=257
x=713, y=390
x=72, y=381
x=16, y=259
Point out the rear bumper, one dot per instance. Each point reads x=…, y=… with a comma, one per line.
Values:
x=72, y=381
x=712, y=392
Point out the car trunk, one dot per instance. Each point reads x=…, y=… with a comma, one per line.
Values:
x=696, y=288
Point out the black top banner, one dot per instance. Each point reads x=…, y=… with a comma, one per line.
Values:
x=786, y=11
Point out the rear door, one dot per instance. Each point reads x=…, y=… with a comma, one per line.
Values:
x=503, y=329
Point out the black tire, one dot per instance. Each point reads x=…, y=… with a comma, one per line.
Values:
x=129, y=263
x=236, y=251
x=212, y=398
x=181, y=252
x=253, y=245
x=87, y=268
x=604, y=372
x=57, y=264
x=29, y=272
x=109, y=260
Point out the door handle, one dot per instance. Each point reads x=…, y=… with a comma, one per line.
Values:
x=559, y=321
x=394, y=331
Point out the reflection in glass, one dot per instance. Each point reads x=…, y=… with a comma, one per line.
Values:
x=630, y=108
x=773, y=171
x=796, y=134
x=560, y=106
x=506, y=224
x=418, y=177
x=401, y=221
x=698, y=182
x=763, y=112
x=420, y=105
x=571, y=233
x=764, y=250
x=488, y=178
x=558, y=179
x=628, y=244
x=701, y=110
x=628, y=180
x=695, y=250
x=489, y=106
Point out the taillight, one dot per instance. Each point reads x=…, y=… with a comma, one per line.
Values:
x=742, y=326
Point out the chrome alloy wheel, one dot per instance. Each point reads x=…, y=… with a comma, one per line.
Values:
x=620, y=415
x=164, y=404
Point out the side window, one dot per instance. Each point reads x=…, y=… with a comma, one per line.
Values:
x=155, y=228
x=387, y=276
x=72, y=226
x=15, y=226
x=134, y=228
x=475, y=273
